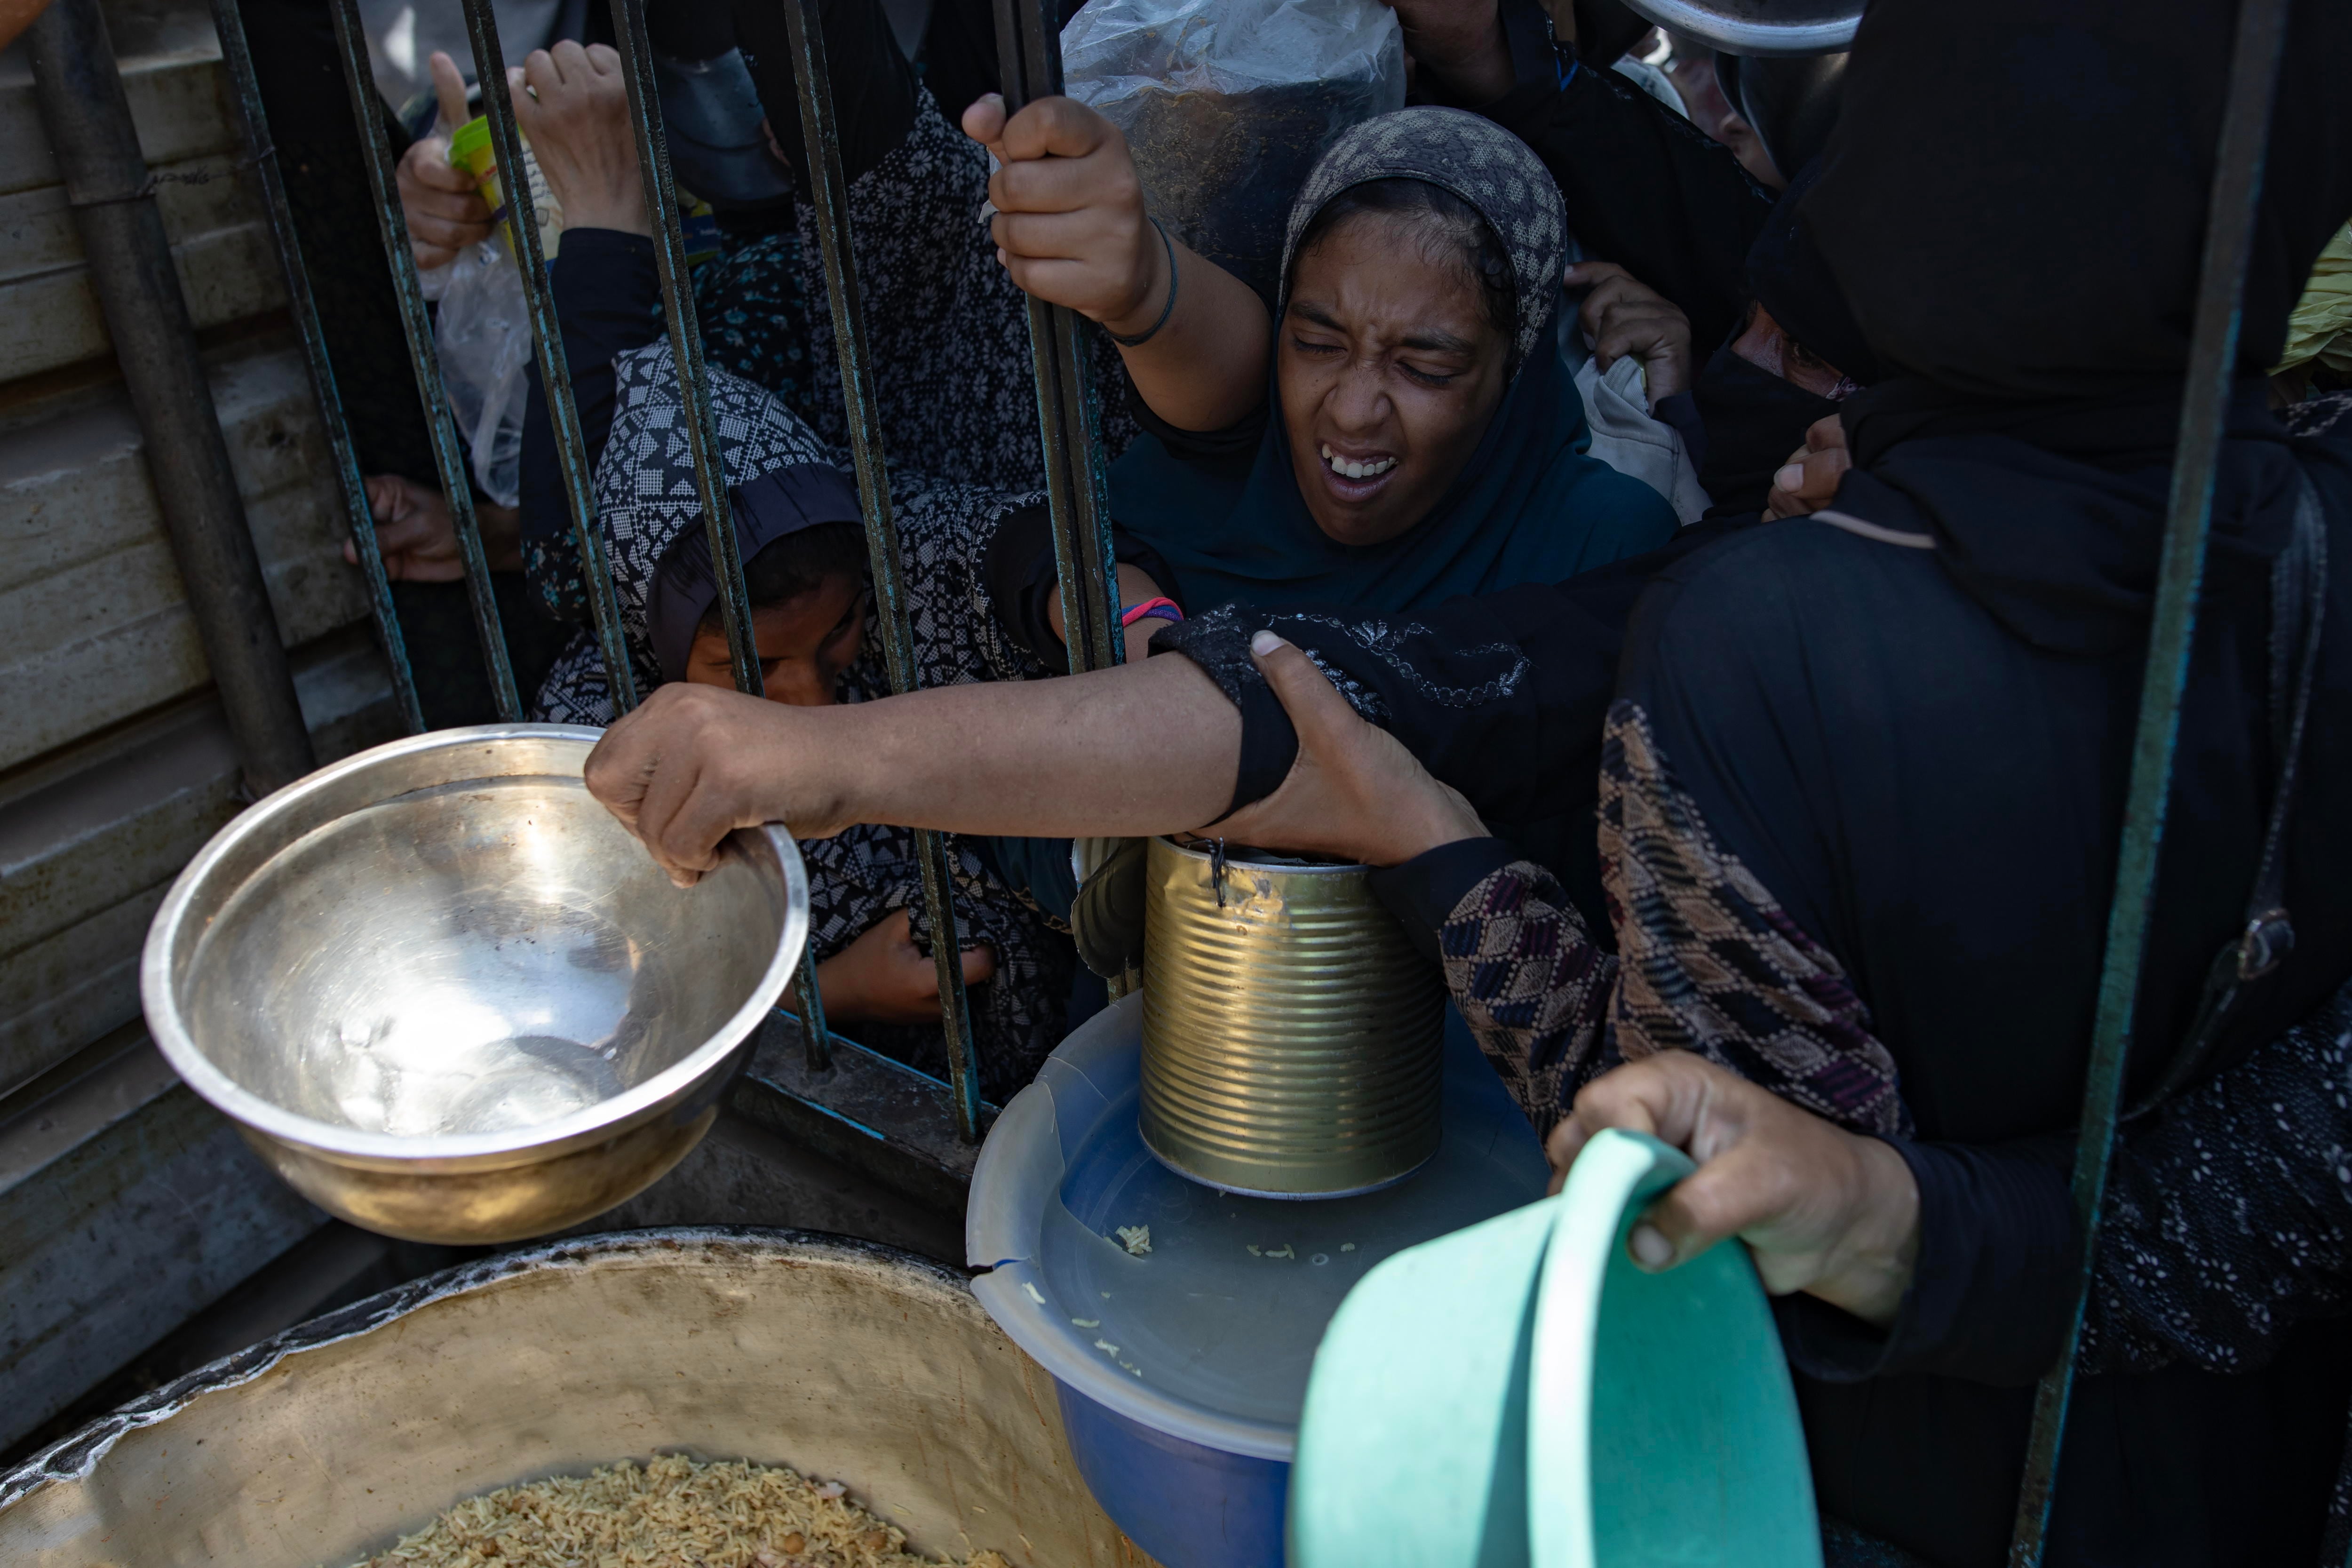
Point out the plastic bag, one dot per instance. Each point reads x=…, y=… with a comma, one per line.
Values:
x=483, y=330
x=1225, y=104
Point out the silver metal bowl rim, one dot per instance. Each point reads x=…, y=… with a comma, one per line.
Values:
x=603, y=1119
x=1705, y=25
x=1284, y=867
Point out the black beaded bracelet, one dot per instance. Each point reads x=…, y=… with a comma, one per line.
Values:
x=1166, y=310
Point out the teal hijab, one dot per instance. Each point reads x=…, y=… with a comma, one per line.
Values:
x=1530, y=507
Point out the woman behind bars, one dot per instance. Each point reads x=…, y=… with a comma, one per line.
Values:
x=1861, y=788
x=1401, y=432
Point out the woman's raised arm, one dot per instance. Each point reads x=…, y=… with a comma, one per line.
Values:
x=1071, y=228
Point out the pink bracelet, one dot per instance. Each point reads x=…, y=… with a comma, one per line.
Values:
x=1163, y=609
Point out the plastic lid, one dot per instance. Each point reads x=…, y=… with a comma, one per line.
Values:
x=1210, y=1336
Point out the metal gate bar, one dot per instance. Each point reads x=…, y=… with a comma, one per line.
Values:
x=261, y=152
x=686, y=341
x=829, y=200
x=110, y=192
x=547, y=342
x=1069, y=418
x=425, y=360
x=571, y=439
x=2205, y=398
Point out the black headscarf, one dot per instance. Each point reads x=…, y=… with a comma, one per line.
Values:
x=2013, y=201
x=2014, y=208
x=1754, y=419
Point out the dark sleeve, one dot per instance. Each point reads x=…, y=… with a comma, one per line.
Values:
x=1236, y=443
x=2228, y=1223
x=1994, y=1284
x=607, y=301
x=1680, y=412
x=1501, y=695
x=1422, y=891
x=1020, y=574
x=1644, y=187
x=308, y=111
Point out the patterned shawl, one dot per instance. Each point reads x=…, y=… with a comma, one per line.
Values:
x=645, y=498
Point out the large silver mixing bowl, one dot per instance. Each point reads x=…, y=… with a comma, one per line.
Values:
x=448, y=997
x=847, y=1361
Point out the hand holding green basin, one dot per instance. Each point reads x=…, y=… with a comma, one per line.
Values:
x=1519, y=1392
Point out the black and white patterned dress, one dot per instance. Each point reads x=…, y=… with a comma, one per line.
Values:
x=645, y=498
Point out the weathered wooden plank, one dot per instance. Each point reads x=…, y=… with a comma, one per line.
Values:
x=122, y=1238
x=178, y=102
x=86, y=848
x=88, y=585
x=66, y=990
x=52, y=318
x=195, y=196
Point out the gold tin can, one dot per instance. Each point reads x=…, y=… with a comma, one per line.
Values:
x=1290, y=1031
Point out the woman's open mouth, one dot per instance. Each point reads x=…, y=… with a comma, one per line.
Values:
x=1356, y=478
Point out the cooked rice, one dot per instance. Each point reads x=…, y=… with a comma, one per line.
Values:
x=671, y=1513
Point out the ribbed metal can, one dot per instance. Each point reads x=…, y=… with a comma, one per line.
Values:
x=1290, y=1030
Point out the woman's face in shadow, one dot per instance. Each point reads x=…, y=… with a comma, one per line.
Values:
x=1390, y=370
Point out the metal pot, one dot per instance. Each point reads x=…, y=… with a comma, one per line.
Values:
x=1759, y=27
x=447, y=996
x=845, y=1360
x=1290, y=1030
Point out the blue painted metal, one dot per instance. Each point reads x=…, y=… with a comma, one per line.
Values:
x=828, y=190
x=2212, y=359
x=702, y=431
x=686, y=339
x=1069, y=422
x=1188, y=1505
x=547, y=341
x=425, y=360
x=262, y=153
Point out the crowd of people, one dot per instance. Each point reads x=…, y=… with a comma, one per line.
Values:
x=1750, y=751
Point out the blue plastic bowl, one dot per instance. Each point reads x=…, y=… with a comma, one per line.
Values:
x=1182, y=1418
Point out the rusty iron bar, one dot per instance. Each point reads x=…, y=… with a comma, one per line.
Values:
x=1077, y=489
x=828, y=193
x=686, y=339
x=2204, y=406
x=701, y=429
x=547, y=342
x=423, y=358
x=112, y=192
x=261, y=152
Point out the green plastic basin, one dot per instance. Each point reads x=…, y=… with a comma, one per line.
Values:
x=1520, y=1392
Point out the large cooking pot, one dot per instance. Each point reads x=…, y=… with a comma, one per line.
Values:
x=845, y=1360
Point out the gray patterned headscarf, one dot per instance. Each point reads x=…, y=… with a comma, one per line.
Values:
x=1476, y=159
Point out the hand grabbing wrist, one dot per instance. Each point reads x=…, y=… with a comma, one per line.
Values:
x=1869, y=1269
x=1824, y=1210
x=1439, y=817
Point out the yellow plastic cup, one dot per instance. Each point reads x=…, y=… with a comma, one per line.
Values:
x=471, y=149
